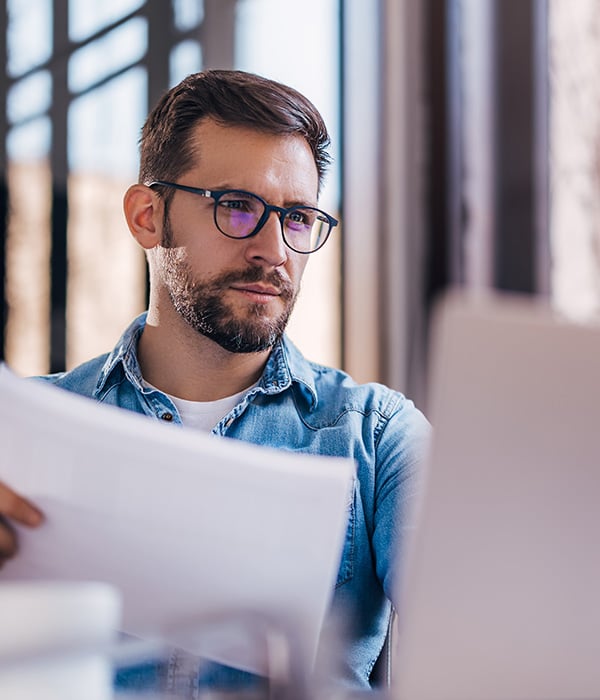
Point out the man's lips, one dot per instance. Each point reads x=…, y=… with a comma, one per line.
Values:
x=257, y=290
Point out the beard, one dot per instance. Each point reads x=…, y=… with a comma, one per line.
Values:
x=202, y=304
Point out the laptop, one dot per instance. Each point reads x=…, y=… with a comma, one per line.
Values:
x=501, y=598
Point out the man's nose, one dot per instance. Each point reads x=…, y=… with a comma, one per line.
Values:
x=268, y=245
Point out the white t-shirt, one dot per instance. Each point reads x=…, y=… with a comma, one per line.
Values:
x=204, y=415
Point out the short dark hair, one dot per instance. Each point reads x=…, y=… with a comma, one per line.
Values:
x=231, y=98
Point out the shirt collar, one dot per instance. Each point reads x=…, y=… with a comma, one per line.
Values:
x=285, y=366
x=124, y=355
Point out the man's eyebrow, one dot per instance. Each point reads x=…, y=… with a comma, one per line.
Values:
x=300, y=203
x=288, y=204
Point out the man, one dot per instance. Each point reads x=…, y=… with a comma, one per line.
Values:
x=226, y=209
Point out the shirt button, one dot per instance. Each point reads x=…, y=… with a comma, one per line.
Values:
x=167, y=416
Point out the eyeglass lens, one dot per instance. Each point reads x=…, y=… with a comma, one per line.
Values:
x=238, y=213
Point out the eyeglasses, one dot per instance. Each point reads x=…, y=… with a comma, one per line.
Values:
x=241, y=214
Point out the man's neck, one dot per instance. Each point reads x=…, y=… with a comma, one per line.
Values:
x=180, y=361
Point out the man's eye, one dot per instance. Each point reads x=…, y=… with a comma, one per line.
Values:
x=299, y=217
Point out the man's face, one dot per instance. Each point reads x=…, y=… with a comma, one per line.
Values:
x=238, y=292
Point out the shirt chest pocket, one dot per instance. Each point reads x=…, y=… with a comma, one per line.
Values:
x=346, y=570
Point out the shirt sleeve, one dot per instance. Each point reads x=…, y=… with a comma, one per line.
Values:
x=399, y=478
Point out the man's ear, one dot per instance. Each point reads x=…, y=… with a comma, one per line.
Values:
x=143, y=211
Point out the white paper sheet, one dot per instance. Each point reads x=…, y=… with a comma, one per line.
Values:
x=186, y=525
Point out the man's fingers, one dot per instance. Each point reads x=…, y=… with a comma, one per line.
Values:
x=8, y=541
x=17, y=508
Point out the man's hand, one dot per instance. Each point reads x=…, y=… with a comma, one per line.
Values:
x=18, y=509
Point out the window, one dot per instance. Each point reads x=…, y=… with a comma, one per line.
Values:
x=78, y=89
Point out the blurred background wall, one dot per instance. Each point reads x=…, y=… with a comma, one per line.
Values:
x=465, y=143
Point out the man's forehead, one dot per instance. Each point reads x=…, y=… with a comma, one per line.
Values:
x=209, y=130
x=231, y=152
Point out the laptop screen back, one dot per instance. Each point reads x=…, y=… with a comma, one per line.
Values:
x=502, y=596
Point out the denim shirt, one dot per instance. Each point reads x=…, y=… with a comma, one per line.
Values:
x=305, y=407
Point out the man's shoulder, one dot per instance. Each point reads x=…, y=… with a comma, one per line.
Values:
x=82, y=379
x=358, y=413
x=336, y=389
x=338, y=386
x=89, y=378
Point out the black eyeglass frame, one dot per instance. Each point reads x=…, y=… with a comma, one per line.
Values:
x=281, y=212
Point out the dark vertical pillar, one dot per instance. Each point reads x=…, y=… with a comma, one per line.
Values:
x=218, y=33
x=60, y=208
x=438, y=273
x=160, y=40
x=541, y=147
x=519, y=73
x=520, y=148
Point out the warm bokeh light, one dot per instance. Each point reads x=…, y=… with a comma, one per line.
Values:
x=28, y=261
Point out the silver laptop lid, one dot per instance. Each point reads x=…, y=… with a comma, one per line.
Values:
x=502, y=595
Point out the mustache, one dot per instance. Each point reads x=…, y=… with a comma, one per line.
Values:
x=256, y=274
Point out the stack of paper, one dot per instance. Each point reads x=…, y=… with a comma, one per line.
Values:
x=184, y=524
